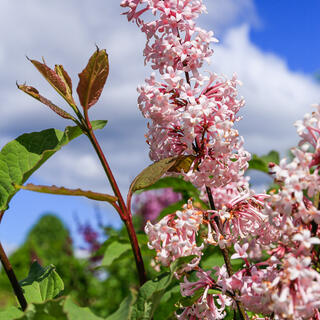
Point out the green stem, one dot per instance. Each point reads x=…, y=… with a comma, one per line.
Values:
x=13, y=279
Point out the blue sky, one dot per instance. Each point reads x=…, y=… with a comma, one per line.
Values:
x=272, y=45
x=291, y=30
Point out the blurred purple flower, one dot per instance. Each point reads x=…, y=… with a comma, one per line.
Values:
x=149, y=204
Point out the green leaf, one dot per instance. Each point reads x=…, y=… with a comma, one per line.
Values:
x=212, y=257
x=57, y=309
x=171, y=209
x=115, y=249
x=168, y=304
x=69, y=192
x=74, y=312
x=189, y=301
x=10, y=313
x=155, y=171
x=93, y=79
x=41, y=284
x=151, y=293
x=258, y=164
x=125, y=308
x=149, y=297
x=23, y=156
x=178, y=185
x=272, y=156
x=262, y=163
x=181, y=262
x=48, y=310
x=214, y=291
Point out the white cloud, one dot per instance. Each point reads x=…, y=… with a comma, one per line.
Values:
x=223, y=14
x=276, y=97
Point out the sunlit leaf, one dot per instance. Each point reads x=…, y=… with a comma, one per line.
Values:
x=41, y=284
x=23, y=156
x=155, y=171
x=93, y=79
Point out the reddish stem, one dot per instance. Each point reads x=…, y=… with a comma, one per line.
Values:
x=13, y=279
x=123, y=211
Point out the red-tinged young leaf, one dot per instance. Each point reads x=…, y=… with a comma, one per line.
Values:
x=58, y=78
x=93, y=79
x=33, y=92
x=64, y=76
x=51, y=76
x=67, y=81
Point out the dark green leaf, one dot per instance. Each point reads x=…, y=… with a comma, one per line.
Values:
x=176, y=265
x=272, y=156
x=168, y=304
x=212, y=257
x=149, y=297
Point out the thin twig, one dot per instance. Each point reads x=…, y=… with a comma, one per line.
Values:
x=13, y=279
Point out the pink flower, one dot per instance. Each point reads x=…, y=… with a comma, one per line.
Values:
x=175, y=236
x=241, y=252
x=208, y=306
x=194, y=116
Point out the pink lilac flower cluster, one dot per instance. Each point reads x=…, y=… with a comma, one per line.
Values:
x=174, y=236
x=208, y=306
x=241, y=218
x=194, y=114
x=190, y=113
x=287, y=284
